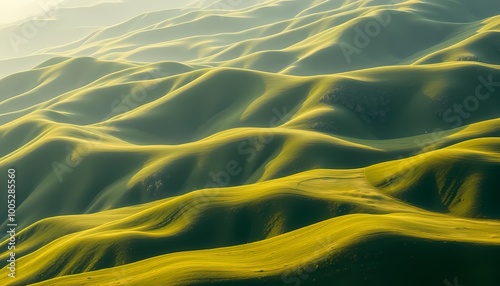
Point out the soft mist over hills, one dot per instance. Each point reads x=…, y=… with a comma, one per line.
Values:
x=262, y=142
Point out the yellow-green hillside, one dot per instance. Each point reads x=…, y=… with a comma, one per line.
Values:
x=347, y=218
x=263, y=142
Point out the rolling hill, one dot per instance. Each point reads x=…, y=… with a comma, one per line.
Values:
x=264, y=142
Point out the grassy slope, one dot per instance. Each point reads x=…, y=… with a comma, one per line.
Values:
x=204, y=102
x=284, y=36
x=297, y=39
x=459, y=179
x=334, y=215
x=361, y=249
x=229, y=128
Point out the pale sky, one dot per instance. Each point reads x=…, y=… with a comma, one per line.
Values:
x=15, y=10
x=11, y=11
